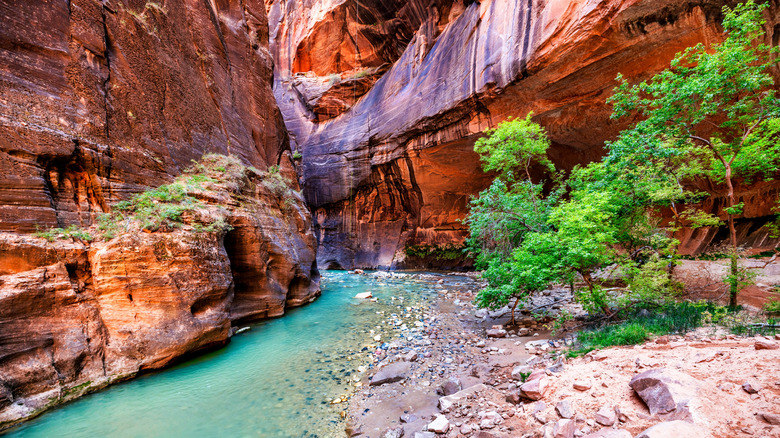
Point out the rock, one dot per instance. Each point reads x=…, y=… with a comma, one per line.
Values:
x=766, y=344
x=450, y=386
x=518, y=371
x=751, y=388
x=446, y=402
x=605, y=416
x=397, y=432
x=582, y=385
x=424, y=435
x=564, y=429
x=496, y=333
x=391, y=373
x=676, y=429
x=610, y=433
x=364, y=295
x=622, y=416
x=411, y=356
x=770, y=418
x=408, y=418
x=439, y=425
x=663, y=391
x=565, y=409
x=535, y=386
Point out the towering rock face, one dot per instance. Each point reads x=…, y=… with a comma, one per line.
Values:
x=100, y=99
x=103, y=99
x=393, y=167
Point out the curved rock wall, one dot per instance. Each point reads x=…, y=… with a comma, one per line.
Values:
x=396, y=168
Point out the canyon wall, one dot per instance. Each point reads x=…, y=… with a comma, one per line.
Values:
x=386, y=135
x=100, y=100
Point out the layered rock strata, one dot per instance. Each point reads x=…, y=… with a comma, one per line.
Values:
x=76, y=316
x=100, y=100
x=396, y=169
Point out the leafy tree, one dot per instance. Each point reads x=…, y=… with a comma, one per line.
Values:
x=712, y=114
x=512, y=207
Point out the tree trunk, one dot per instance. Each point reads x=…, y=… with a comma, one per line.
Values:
x=591, y=287
x=733, y=281
x=512, y=319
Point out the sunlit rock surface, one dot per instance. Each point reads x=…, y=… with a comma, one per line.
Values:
x=395, y=168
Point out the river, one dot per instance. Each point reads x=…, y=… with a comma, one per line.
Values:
x=275, y=380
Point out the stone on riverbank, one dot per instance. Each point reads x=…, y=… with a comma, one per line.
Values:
x=394, y=372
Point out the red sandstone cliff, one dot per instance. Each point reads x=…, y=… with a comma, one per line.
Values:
x=391, y=165
x=103, y=99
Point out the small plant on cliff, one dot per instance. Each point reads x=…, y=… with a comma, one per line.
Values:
x=450, y=251
x=297, y=155
x=71, y=232
x=713, y=114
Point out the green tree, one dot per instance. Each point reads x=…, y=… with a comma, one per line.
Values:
x=712, y=114
x=512, y=207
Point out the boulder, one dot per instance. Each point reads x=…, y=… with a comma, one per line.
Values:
x=450, y=386
x=663, y=391
x=446, y=402
x=564, y=429
x=535, y=386
x=770, y=418
x=496, y=333
x=520, y=370
x=565, y=409
x=609, y=433
x=581, y=385
x=766, y=344
x=397, y=432
x=394, y=372
x=439, y=425
x=676, y=429
x=605, y=416
x=751, y=388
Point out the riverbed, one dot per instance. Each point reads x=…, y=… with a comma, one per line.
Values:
x=280, y=378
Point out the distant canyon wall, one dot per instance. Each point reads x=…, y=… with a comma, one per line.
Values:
x=384, y=99
x=100, y=100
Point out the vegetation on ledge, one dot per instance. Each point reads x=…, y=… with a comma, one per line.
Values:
x=195, y=201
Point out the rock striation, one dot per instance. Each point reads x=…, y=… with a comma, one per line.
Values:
x=394, y=167
x=100, y=101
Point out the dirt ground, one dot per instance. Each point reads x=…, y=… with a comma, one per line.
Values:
x=454, y=347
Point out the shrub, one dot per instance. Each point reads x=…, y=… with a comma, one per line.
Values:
x=642, y=324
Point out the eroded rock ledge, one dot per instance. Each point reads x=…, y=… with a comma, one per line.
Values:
x=76, y=316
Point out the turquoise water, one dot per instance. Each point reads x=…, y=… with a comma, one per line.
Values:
x=275, y=380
